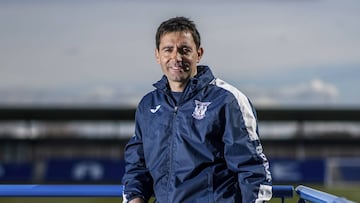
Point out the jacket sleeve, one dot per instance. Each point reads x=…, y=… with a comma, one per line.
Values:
x=243, y=151
x=137, y=180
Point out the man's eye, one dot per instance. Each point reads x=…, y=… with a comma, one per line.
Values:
x=167, y=50
x=186, y=50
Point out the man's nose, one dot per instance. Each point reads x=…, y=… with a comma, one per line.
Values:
x=176, y=55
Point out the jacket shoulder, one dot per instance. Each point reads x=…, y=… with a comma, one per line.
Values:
x=231, y=90
x=147, y=99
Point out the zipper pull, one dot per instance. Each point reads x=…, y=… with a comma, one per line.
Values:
x=175, y=109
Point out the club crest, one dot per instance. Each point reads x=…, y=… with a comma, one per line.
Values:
x=200, y=109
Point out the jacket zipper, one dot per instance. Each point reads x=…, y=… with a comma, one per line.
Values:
x=171, y=155
x=173, y=136
x=175, y=110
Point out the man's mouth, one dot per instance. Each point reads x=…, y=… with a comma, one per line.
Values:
x=179, y=67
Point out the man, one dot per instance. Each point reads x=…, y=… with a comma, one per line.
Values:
x=196, y=137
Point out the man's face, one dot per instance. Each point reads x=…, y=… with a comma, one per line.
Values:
x=178, y=57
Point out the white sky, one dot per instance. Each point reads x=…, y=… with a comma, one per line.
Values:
x=282, y=52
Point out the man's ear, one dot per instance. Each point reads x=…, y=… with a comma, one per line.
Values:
x=200, y=53
x=157, y=56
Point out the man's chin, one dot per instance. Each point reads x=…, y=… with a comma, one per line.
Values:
x=178, y=79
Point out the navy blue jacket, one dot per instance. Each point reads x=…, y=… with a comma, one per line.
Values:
x=204, y=149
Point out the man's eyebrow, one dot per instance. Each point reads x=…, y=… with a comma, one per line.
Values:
x=185, y=46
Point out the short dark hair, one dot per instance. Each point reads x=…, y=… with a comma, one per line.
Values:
x=178, y=24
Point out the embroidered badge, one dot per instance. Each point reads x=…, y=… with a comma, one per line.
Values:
x=200, y=109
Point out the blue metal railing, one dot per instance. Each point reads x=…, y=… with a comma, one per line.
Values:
x=279, y=191
x=306, y=194
x=316, y=196
x=61, y=190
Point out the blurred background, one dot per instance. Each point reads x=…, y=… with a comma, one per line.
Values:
x=73, y=71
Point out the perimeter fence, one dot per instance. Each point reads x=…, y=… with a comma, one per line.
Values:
x=32, y=141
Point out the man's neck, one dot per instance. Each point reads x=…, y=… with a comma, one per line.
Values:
x=177, y=86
